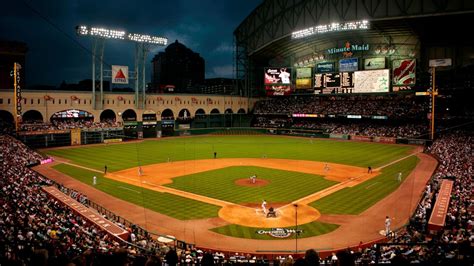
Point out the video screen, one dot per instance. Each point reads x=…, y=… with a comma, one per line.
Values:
x=280, y=76
x=303, y=78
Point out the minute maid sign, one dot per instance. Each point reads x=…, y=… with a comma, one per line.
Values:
x=348, y=49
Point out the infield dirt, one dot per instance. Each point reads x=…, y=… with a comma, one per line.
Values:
x=354, y=228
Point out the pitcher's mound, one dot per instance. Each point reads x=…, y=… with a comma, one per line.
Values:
x=246, y=182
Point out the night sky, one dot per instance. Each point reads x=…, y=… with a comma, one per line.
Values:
x=205, y=26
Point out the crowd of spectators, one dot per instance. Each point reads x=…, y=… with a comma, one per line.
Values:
x=404, y=106
x=38, y=230
x=348, y=127
x=453, y=245
x=66, y=124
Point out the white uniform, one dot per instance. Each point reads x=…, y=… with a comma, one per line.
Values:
x=388, y=222
x=399, y=178
x=285, y=77
x=254, y=178
x=264, y=207
x=94, y=180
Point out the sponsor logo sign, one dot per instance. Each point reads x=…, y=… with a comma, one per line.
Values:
x=440, y=62
x=303, y=78
x=348, y=49
x=279, y=232
x=404, y=72
x=348, y=65
x=119, y=74
x=374, y=63
x=326, y=67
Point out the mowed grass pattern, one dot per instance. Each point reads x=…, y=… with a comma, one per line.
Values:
x=165, y=203
x=308, y=230
x=357, y=199
x=284, y=186
x=123, y=156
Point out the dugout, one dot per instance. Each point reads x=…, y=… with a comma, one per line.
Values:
x=45, y=139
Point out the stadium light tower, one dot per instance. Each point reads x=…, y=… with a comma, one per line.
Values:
x=142, y=43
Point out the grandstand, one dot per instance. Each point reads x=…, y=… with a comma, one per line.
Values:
x=351, y=102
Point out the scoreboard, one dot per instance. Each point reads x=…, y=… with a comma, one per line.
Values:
x=347, y=79
x=334, y=80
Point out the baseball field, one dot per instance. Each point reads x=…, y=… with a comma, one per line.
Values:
x=202, y=184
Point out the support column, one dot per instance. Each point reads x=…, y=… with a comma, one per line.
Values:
x=137, y=56
x=94, y=46
x=101, y=103
x=144, y=52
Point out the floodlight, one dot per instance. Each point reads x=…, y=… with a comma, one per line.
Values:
x=333, y=27
x=120, y=35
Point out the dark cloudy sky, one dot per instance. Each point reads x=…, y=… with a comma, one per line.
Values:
x=205, y=26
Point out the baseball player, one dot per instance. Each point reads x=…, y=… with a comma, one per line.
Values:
x=264, y=207
x=399, y=177
x=94, y=180
x=388, y=222
x=326, y=167
x=254, y=179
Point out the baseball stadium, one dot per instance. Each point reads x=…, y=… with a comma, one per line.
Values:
x=347, y=140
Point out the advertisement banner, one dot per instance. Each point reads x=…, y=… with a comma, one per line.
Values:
x=119, y=74
x=112, y=140
x=361, y=138
x=374, y=63
x=372, y=81
x=303, y=78
x=338, y=136
x=278, y=90
x=385, y=140
x=348, y=65
x=326, y=67
x=277, y=76
x=303, y=72
x=303, y=83
x=404, y=72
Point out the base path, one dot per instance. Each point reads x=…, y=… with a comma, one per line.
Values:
x=154, y=176
x=353, y=228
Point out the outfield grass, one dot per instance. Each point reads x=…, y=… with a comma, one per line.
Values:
x=123, y=156
x=308, y=230
x=357, y=199
x=165, y=203
x=284, y=186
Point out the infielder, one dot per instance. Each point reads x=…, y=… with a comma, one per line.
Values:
x=399, y=178
x=264, y=207
x=326, y=167
x=94, y=180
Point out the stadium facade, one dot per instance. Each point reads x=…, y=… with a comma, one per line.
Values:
x=401, y=37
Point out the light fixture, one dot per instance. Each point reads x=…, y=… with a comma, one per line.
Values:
x=391, y=50
x=120, y=35
x=333, y=27
x=378, y=50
